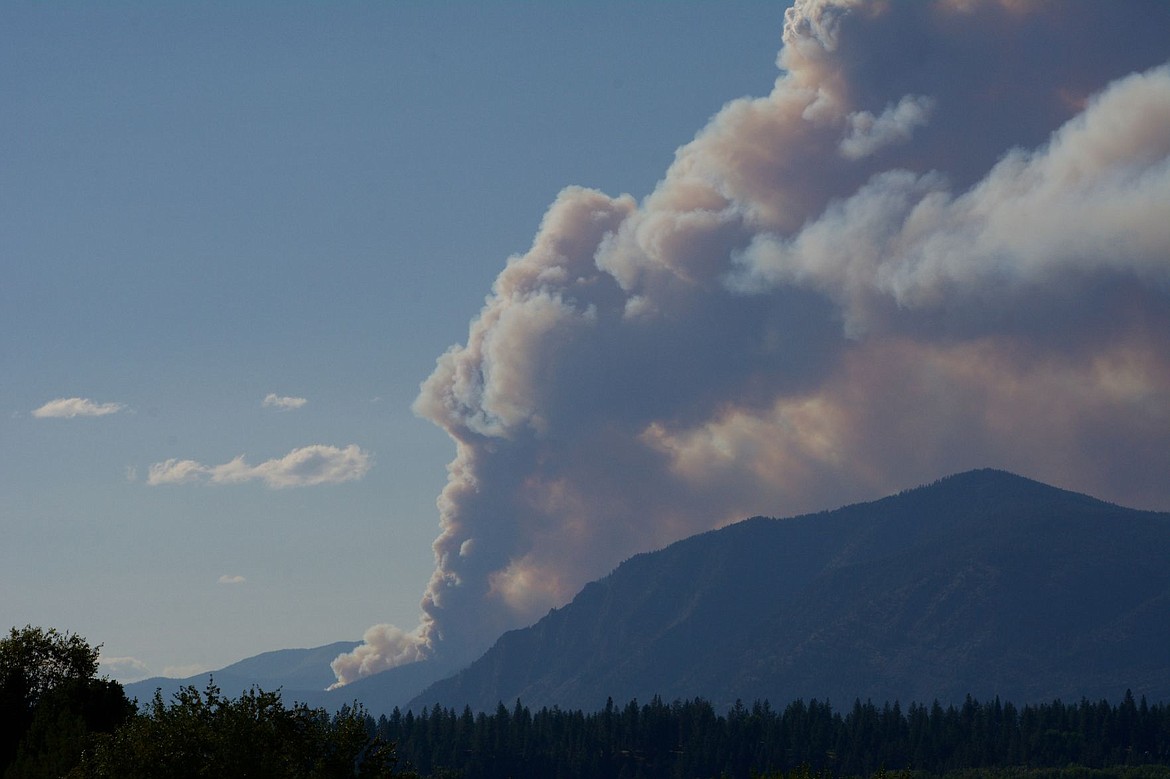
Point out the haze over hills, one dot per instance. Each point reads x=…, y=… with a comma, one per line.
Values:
x=300, y=673
x=983, y=583
x=303, y=676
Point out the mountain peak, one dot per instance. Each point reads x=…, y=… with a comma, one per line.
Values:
x=984, y=582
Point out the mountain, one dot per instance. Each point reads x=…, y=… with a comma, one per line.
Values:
x=984, y=583
x=302, y=676
x=300, y=673
x=382, y=692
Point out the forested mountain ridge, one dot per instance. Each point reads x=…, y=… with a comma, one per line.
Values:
x=303, y=674
x=984, y=583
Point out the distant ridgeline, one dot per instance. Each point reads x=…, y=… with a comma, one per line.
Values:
x=689, y=739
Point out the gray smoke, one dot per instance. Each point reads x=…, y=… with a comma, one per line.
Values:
x=941, y=242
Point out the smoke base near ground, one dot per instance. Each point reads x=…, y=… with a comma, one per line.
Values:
x=941, y=242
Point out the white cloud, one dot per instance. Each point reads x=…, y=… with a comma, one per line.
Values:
x=131, y=473
x=175, y=471
x=282, y=402
x=232, y=579
x=124, y=669
x=307, y=466
x=67, y=408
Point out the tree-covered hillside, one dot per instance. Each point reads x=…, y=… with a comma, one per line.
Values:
x=983, y=583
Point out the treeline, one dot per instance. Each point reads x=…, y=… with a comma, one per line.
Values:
x=58, y=719
x=690, y=739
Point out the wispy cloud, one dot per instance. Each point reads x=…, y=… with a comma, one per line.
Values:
x=124, y=669
x=176, y=472
x=232, y=579
x=282, y=402
x=307, y=466
x=67, y=408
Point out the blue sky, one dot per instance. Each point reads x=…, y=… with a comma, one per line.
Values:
x=921, y=238
x=204, y=204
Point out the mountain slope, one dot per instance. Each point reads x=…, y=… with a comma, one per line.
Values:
x=292, y=670
x=984, y=583
x=302, y=676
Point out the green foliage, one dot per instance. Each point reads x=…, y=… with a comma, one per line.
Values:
x=50, y=702
x=1067, y=772
x=33, y=661
x=205, y=734
x=64, y=721
x=804, y=740
x=58, y=720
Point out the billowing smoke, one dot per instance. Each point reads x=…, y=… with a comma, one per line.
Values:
x=941, y=242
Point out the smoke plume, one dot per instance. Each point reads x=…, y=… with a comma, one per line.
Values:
x=941, y=242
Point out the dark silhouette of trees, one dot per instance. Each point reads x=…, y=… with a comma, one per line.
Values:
x=58, y=720
x=205, y=734
x=51, y=702
x=690, y=739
